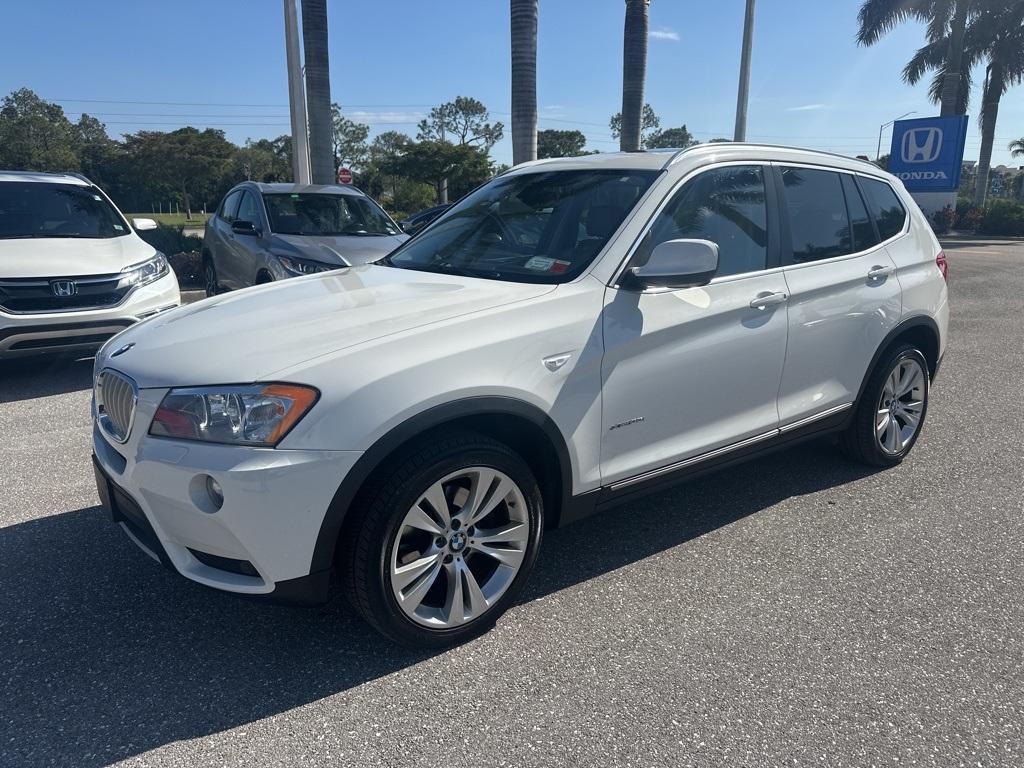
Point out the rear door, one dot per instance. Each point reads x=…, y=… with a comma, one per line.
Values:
x=844, y=295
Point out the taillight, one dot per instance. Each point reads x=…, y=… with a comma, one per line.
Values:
x=940, y=262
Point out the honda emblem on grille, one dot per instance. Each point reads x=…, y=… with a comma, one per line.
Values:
x=64, y=287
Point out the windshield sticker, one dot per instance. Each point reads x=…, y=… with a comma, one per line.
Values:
x=541, y=263
x=97, y=197
x=118, y=227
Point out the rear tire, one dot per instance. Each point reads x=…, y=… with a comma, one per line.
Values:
x=892, y=409
x=443, y=541
x=210, y=281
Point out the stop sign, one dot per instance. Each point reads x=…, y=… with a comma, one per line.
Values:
x=344, y=176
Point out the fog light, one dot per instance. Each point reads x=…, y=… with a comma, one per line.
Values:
x=216, y=492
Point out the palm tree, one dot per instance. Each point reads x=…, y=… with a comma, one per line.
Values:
x=947, y=23
x=634, y=72
x=318, y=91
x=1017, y=148
x=524, y=80
x=1000, y=34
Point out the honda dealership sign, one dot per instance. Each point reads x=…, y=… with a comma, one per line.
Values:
x=927, y=153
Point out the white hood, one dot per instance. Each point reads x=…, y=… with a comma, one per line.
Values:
x=70, y=256
x=248, y=335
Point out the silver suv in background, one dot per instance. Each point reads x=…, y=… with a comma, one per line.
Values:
x=266, y=232
x=72, y=271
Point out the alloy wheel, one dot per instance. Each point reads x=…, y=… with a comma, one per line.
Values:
x=900, y=406
x=459, y=547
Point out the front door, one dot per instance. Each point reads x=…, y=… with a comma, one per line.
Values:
x=691, y=371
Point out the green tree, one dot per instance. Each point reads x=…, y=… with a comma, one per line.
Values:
x=262, y=160
x=524, y=80
x=350, y=147
x=946, y=22
x=552, y=143
x=998, y=33
x=100, y=158
x=194, y=163
x=634, y=74
x=649, y=124
x=1016, y=148
x=318, y=91
x=463, y=121
x=35, y=135
x=460, y=166
x=679, y=138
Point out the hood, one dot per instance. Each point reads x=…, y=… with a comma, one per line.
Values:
x=248, y=335
x=344, y=250
x=70, y=257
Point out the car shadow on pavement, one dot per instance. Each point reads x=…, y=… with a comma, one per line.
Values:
x=105, y=655
x=27, y=378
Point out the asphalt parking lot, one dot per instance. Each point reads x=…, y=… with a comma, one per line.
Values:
x=799, y=610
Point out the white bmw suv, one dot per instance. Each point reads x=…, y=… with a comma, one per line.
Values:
x=72, y=272
x=572, y=334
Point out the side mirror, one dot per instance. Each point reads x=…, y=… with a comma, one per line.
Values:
x=243, y=227
x=676, y=264
x=141, y=225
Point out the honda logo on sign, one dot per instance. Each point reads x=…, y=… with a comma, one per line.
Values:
x=921, y=145
x=64, y=288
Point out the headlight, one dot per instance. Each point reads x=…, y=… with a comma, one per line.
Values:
x=304, y=267
x=250, y=414
x=147, y=271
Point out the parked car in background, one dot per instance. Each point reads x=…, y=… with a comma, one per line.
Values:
x=576, y=332
x=266, y=232
x=417, y=221
x=72, y=271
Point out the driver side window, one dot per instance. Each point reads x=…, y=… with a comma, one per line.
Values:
x=726, y=206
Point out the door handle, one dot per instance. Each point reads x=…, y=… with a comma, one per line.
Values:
x=768, y=299
x=878, y=272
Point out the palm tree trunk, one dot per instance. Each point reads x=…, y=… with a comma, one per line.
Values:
x=318, y=91
x=989, y=112
x=950, y=99
x=524, y=80
x=634, y=73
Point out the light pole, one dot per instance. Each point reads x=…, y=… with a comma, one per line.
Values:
x=882, y=127
x=296, y=97
x=742, y=96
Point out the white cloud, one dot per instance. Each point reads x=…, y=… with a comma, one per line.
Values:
x=664, y=33
x=403, y=118
x=807, y=108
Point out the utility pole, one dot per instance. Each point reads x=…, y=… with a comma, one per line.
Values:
x=296, y=96
x=744, y=91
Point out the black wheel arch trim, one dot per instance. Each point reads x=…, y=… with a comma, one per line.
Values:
x=917, y=321
x=414, y=427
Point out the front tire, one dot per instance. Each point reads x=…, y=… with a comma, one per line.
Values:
x=892, y=409
x=210, y=281
x=444, y=541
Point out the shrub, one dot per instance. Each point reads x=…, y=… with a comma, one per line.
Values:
x=943, y=220
x=968, y=215
x=1003, y=217
x=182, y=251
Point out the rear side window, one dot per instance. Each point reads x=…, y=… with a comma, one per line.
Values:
x=725, y=206
x=818, y=223
x=229, y=207
x=885, y=206
x=860, y=222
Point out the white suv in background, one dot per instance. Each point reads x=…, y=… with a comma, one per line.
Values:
x=572, y=334
x=72, y=272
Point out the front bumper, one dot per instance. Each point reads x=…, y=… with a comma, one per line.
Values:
x=260, y=542
x=83, y=331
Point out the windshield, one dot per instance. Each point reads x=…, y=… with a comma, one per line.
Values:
x=31, y=209
x=324, y=214
x=533, y=228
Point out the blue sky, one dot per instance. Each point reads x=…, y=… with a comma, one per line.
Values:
x=392, y=59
